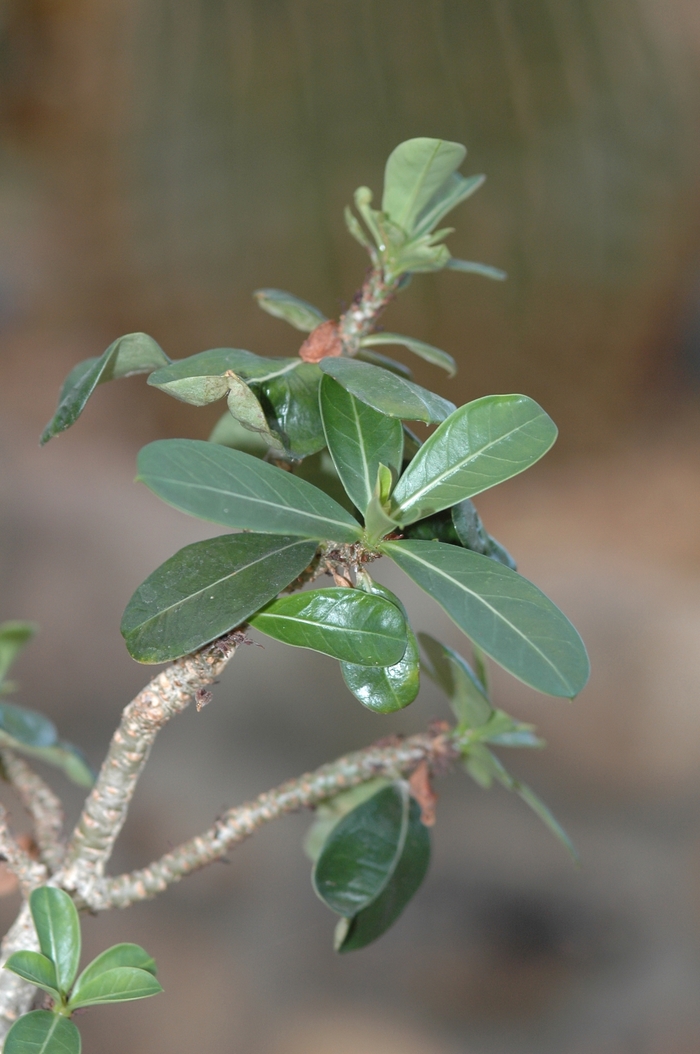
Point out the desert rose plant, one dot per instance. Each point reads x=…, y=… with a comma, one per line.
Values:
x=315, y=474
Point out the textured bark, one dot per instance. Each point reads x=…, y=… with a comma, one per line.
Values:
x=435, y=750
x=103, y=816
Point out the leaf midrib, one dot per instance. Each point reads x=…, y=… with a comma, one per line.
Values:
x=213, y=585
x=490, y=607
x=444, y=476
x=255, y=500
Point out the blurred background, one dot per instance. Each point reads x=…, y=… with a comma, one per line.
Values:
x=159, y=160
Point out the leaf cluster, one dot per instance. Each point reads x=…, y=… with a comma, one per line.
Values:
x=123, y=972
x=313, y=469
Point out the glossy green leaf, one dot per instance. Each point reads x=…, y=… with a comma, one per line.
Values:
x=362, y=851
x=503, y=613
x=41, y=1032
x=471, y=267
x=27, y=726
x=118, y=985
x=134, y=353
x=291, y=404
x=385, y=689
x=202, y=378
x=481, y=444
x=330, y=812
x=346, y=623
x=118, y=955
x=58, y=928
x=453, y=192
x=14, y=635
x=392, y=365
x=208, y=588
x=237, y=490
x=229, y=432
x=244, y=406
x=359, y=440
x=473, y=535
x=414, y=172
x=411, y=869
x=36, y=969
x=418, y=347
x=468, y=696
x=289, y=308
x=386, y=392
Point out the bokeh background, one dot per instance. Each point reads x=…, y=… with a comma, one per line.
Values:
x=159, y=160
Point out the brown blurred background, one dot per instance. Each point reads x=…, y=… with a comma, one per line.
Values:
x=159, y=160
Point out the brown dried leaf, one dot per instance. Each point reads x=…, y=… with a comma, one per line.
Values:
x=422, y=791
x=322, y=343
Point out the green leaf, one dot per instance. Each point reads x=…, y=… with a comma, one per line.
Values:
x=134, y=353
x=472, y=534
x=58, y=928
x=359, y=440
x=244, y=406
x=237, y=490
x=452, y=193
x=471, y=267
x=332, y=811
x=36, y=969
x=407, y=877
x=385, y=689
x=118, y=955
x=392, y=365
x=362, y=851
x=27, y=727
x=117, y=985
x=346, y=623
x=481, y=444
x=468, y=696
x=291, y=404
x=289, y=308
x=13, y=637
x=503, y=613
x=202, y=378
x=415, y=171
x=229, y=432
x=41, y=1032
x=386, y=392
x=418, y=347
x=206, y=589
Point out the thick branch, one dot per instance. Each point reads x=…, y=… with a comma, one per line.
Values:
x=399, y=758
x=16, y=995
x=106, y=807
x=42, y=805
x=362, y=315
